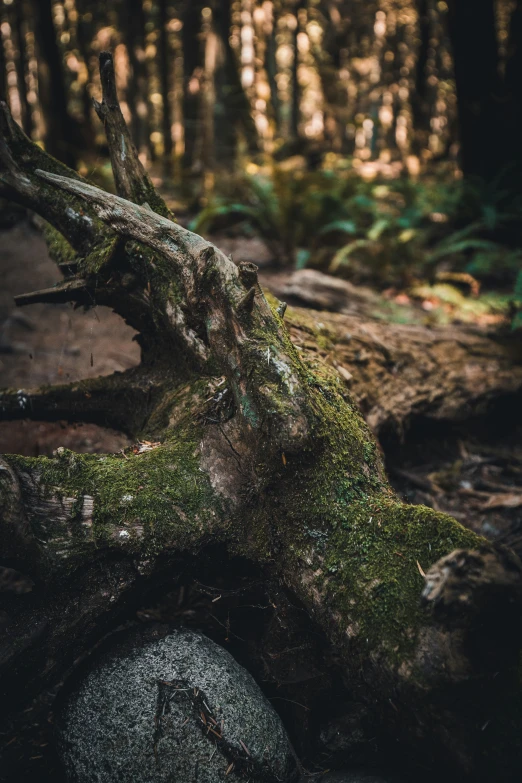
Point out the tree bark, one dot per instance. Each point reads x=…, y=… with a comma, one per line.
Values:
x=403, y=374
x=17, y=26
x=130, y=176
x=248, y=443
x=193, y=70
x=61, y=131
x=165, y=67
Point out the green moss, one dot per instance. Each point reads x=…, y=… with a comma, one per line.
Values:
x=100, y=256
x=158, y=499
x=60, y=250
x=363, y=544
x=339, y=519
x=371, y=572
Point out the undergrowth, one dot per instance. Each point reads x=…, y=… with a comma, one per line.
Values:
x=404, y=232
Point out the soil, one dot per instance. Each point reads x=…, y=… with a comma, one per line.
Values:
x=52, y=344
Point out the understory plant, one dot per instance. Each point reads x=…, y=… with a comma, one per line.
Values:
x=382, y=232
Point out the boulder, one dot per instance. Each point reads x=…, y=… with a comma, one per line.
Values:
x=177, y=708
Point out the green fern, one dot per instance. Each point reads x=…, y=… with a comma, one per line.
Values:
x=382, y=232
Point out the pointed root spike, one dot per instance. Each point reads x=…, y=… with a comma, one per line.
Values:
x=69, y=291
x=108, y=79
x=281, y=309
x=248, y=273
x=246, y=305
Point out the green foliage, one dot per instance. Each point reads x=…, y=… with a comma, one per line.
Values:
x=382, y=232
x=292, y=211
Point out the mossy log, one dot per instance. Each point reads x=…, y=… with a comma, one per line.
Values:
x=404, y=375
x=249, y=444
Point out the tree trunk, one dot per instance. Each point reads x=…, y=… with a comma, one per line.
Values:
x=248, y=444
x=166, y=57
x=61, y=132
x=489, y=102
x=295, y=106
x=19, y=32
x=420, y=102
x=225, y=117
x=513, y=95
x=270, y=32
x=193, y=69
x=84, y=36
x=3, y=71
x=402, y=374
x=231, y=101
x=478, y=86
x=133, y=23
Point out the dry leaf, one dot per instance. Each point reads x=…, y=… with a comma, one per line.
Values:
x=145, y=445
x=344, y=373
x=503, y=500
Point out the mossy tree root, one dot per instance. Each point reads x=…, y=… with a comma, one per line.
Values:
x=122, y=401
x=251, y=445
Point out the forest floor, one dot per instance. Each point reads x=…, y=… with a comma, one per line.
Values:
x=473, y=473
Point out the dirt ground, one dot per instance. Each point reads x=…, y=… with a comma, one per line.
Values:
x=52, y=344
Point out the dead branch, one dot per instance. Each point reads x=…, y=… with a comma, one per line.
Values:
x=132, y=181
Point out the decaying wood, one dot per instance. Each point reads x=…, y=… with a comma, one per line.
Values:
x=253, y=444
x=131, y=179
x=402, y=373
x=123, y=401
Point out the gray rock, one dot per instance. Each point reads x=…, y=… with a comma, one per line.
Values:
x=177, y=709
x=325, y=292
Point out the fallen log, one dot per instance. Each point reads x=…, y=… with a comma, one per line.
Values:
x=401, y=373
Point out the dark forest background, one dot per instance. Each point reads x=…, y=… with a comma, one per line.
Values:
x=374, y=139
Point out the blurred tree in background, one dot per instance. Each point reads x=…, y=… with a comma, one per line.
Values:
x=300, y=120
x=204, y=82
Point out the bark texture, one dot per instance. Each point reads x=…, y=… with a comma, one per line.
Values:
x=246, y=442
x=399, y=373
x=61, y=131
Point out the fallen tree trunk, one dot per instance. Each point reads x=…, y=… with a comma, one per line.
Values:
x=249, y=444
x=398, y=374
